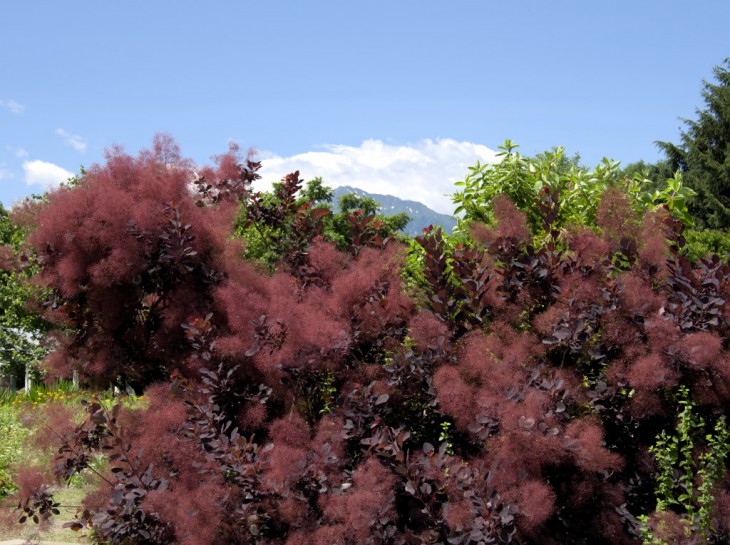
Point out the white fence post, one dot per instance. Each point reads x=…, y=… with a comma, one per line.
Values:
x=28, y=381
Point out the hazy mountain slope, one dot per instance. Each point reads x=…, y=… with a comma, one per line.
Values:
x=421, y=215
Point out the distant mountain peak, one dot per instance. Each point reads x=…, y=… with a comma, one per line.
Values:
x=421, y=215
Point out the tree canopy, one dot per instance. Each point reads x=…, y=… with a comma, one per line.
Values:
x=21, y=328
x=527, y=181
x=703, y=155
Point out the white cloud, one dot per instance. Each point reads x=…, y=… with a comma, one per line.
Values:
x=20, y=153
x=13, y=106
x=73, y=140
x=424, y=171
x=45, y=174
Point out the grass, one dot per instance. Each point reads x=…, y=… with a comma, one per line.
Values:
x=20, y=419
x=13, y=435
x=70, y=498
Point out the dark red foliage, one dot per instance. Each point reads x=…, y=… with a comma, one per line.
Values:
x=320, y=405
x=528, y=278
x=427, y=330
x=458, y=281
x=230, y=181
x=511, y=222
x=371, y=498
x=696, y=295
x=129, y=257
x=616, y=217
x=8, y=261
x=366, y=231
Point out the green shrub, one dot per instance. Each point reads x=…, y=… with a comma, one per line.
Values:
x=526, y=180
x=702, y=243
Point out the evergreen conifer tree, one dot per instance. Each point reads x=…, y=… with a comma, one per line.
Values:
x=704, y=153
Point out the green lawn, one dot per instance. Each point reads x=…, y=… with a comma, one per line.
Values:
x=22, y=416
x=69, y=498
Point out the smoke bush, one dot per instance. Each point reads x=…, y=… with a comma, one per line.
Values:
x=319, y=404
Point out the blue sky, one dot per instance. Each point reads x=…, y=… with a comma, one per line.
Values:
x=392, y=96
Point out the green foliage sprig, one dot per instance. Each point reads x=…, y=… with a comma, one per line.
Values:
x=685, y=479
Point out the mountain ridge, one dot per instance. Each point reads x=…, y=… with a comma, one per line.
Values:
x=421, y=215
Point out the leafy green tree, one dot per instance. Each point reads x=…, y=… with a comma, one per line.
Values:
x=654, y=172
x=272, y=233
x=525, y=180
x=266, y=223
x=21, y=329
x=339, y=226
x=352, y=201
x=316, y=192
x=704, y=153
